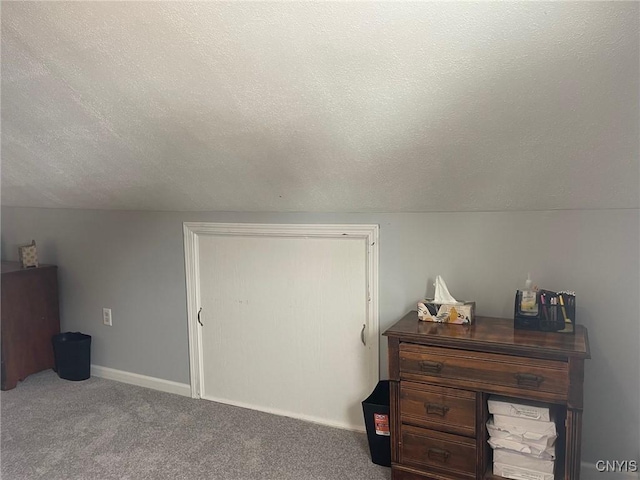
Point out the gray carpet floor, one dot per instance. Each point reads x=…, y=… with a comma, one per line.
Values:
x=99, y=429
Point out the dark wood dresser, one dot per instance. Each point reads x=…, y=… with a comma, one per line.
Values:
x=30, y=317
x=442, y=375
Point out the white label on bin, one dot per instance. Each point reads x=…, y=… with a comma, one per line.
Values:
x=381, y=421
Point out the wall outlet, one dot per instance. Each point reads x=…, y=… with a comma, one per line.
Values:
x=106, y=316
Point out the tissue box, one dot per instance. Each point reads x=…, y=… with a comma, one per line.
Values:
x=519, y=473
x=515, y=459
x=539, y=441
x=524, y=425
x=463, y=314
x=548, y=453
x=531, y=410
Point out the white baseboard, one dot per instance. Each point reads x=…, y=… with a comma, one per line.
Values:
x=588, y=471
x=284, y=413
x=141, y=380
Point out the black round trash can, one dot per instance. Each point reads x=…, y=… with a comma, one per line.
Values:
x=376, y=420
x=72, y=352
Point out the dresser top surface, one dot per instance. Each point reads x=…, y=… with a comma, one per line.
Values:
x=10, y=267
x=491, y=335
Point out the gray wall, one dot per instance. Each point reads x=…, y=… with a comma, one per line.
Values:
x=133, y=262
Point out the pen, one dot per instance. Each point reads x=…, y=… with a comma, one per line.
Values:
x=544, y=306
x=564, y=312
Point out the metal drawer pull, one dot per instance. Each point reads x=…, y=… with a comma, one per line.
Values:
x=432, y=367
x=437, y=409
x=529, y=379
x=438, y=454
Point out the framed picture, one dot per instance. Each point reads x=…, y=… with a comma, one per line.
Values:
x=28, y=255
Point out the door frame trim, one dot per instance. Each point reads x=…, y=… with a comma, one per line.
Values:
x=369, y=233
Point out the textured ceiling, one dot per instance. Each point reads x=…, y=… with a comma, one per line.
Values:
x=320, y=106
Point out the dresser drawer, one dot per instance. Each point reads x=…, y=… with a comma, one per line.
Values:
x=426, y=449
x=440, y=408
x=472, y=368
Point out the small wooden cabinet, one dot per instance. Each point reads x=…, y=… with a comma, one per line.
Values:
x=30, y=317
x=441, y=376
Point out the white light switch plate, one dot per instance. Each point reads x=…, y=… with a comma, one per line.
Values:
x=106, y=316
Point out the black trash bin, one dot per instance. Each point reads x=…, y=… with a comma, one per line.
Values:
x=376, y=419
x=72, y=352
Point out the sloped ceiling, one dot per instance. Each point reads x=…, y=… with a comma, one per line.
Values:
x=333, y=107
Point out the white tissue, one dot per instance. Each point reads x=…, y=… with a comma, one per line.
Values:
x=442, y=294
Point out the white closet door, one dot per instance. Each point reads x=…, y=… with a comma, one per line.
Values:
x=282, y=322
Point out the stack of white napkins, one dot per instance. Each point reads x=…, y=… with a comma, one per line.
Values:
x=523, y=437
